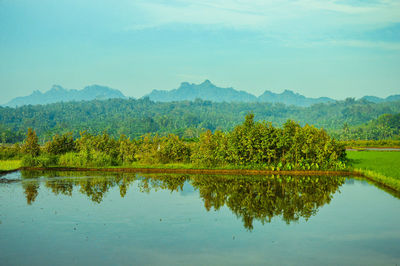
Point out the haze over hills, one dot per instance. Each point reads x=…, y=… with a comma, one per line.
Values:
x=375, y=99
x=209, y=91
x=205, y=91
x=59, y=94
x=186, y=91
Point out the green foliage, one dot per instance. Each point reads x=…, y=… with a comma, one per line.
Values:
x=87, y=159
x=60, y=144
x=31, y=146
x=135, y=118
x=260, y=144
x=8, y=152
x=172, y=149
x=256, y=145
x=7, y=135
x=6, y=165
x=385, y=127
x=211, y=150
x=383, y=143
x=73, y=159
x=44, y=160
x=127, y=150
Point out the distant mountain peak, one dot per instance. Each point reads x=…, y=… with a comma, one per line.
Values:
x=207, y=82
x=184, y=84
x=289, y=92
x=59, y=94
x=57, y=88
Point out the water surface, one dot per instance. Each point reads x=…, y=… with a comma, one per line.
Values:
x=63, y=218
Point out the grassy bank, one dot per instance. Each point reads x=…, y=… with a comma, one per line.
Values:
x=7, y=165
x=380, y=166
x=354, y=144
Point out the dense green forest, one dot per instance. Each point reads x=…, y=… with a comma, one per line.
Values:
x=386, y=126
x=252, y=144
x=188, y=119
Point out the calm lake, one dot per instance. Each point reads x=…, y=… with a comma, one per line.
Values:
x=72, y=218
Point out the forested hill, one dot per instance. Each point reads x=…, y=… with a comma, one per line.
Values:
x=186, y=118
x=374, y=99
x=59, y=94
x=210, y=92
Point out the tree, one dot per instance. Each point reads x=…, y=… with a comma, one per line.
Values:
x=60, y=144
x=31, y=145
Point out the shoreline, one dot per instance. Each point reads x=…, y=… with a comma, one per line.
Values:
x=346, y=173
x=200, y=171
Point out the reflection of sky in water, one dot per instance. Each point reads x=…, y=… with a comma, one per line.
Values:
x=187, y=189
x=359, y=226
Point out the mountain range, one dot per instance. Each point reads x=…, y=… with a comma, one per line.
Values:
x=59, y=94
x=186, y=91
x=375, y=99
x=208, y=91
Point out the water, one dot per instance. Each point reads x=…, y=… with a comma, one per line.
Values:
x=134, y=219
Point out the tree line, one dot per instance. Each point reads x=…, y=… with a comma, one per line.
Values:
x=186, y=119
x=251, y=144
x=385, y=127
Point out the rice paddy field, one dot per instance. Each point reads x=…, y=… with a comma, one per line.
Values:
x=381, y=166
x=384, y=162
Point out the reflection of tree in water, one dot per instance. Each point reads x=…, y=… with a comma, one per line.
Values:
x=31, y=188
x=164, y=182
x=94, y=187
x=262, y=199
x=251, y=198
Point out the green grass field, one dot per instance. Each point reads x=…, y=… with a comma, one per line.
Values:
x=381, y=166
x=383, y=162
x=9, y=165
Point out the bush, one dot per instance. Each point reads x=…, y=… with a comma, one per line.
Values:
x=60, y=144
x=87, y=159
x=10, y=152
x=45, y=160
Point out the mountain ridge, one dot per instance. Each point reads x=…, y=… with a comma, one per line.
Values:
x=185, y=92
x=208, y=91
x=59, y=94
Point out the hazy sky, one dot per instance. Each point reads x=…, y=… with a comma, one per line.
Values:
x=335, y=48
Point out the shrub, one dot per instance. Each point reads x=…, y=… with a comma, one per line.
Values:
x=60, y=144
x=44, y=160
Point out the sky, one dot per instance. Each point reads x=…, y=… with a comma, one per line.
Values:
x=333, y=48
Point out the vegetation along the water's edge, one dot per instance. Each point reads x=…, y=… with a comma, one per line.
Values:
x=250, y=148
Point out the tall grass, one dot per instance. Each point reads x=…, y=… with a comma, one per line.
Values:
x=371, y=143
x=6, y=165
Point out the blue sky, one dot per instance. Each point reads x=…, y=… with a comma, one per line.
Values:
x=334, y=48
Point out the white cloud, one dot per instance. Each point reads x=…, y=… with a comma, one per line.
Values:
x=297, y=21
x=260, y=15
